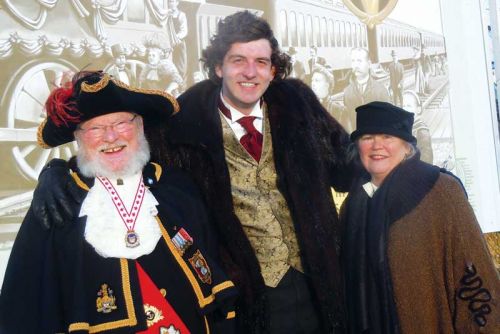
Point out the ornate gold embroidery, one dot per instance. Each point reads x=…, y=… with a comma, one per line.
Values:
x=153, y=314
x=105, y=301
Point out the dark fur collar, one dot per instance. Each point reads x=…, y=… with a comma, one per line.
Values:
x=309, y=154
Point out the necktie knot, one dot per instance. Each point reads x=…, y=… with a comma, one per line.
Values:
x=252, y=140
x=247, y=123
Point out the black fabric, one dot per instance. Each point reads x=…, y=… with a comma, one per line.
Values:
x=58, y=196
x=53, y=276
x=309, y=154
x=383, y=117
x=371, y=308
x=291, y=306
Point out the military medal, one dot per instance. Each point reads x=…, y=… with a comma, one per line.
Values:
x=128, y=216
x=182, y=240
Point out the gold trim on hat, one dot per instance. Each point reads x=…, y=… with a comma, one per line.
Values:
x=93, y=88
x=39, y=135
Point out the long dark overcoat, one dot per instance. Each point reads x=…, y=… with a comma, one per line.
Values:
x=309, y=155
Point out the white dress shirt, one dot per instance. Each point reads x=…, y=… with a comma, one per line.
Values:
x=237, y=128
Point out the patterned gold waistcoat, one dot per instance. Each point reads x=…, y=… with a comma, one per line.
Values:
x=260, y=206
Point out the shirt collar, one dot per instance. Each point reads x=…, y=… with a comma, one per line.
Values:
x=370, y=188
x=236, y=114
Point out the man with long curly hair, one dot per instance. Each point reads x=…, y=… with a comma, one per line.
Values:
x=266, y=154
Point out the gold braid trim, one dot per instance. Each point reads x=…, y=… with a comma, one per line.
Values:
x=79, y=181
x=207, y=328
x=202, y=300
x=149, y=91
x=106, y=78
x=129, y=304
x=158, y=170
x=97, y=86
x=222, y=286
x=79, y=326
x=39, y=136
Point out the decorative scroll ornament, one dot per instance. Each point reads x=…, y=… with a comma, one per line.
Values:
x=371, y=12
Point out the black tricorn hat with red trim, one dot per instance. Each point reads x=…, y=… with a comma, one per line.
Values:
x=95, y=93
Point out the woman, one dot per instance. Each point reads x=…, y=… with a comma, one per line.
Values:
x=322, y=84
x=420, y=78
x=414, y=257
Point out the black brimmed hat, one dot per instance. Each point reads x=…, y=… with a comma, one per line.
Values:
x=92, y=94
x=383, y=118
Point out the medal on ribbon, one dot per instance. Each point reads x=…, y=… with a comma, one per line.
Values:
x=128, y=216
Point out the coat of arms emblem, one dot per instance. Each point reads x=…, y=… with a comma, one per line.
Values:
x=200, y=265
x=105, y=301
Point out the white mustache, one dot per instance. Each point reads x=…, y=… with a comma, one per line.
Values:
x=109, y=147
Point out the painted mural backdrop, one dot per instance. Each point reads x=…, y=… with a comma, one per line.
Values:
x=157, y=43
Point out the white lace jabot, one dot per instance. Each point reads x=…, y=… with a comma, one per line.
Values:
x=105, y=229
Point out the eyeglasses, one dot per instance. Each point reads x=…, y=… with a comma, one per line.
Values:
x=99, y=130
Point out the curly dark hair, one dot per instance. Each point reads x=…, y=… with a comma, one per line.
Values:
x=243, y=27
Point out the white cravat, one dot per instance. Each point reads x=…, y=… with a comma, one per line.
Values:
x=106, y=231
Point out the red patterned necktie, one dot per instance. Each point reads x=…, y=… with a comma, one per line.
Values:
x=252, y=140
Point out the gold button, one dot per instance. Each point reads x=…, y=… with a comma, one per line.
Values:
x=163, y=292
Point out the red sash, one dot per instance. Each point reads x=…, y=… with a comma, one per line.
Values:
x=159, y=313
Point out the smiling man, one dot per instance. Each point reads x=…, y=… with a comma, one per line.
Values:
x=140, y=257
x=276, y=152
x=266, y=154
x=362, y=88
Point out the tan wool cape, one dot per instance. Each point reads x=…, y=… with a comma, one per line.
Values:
x=443, y=277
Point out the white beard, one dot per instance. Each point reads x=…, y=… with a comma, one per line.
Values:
x=95, y=167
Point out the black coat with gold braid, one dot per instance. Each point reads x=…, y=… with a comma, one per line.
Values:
x=62, y=271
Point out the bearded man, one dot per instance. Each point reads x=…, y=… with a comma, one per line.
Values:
x=139, y=257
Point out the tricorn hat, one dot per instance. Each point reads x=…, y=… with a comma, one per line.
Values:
x=95, y=93
x=383, y=118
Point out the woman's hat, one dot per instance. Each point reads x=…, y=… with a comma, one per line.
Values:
x=383, y=118
x=326, y=71
x=94, y=93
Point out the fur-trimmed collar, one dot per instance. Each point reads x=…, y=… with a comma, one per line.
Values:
x=309, y=149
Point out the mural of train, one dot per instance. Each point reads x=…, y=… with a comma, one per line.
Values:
x=41, y=42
